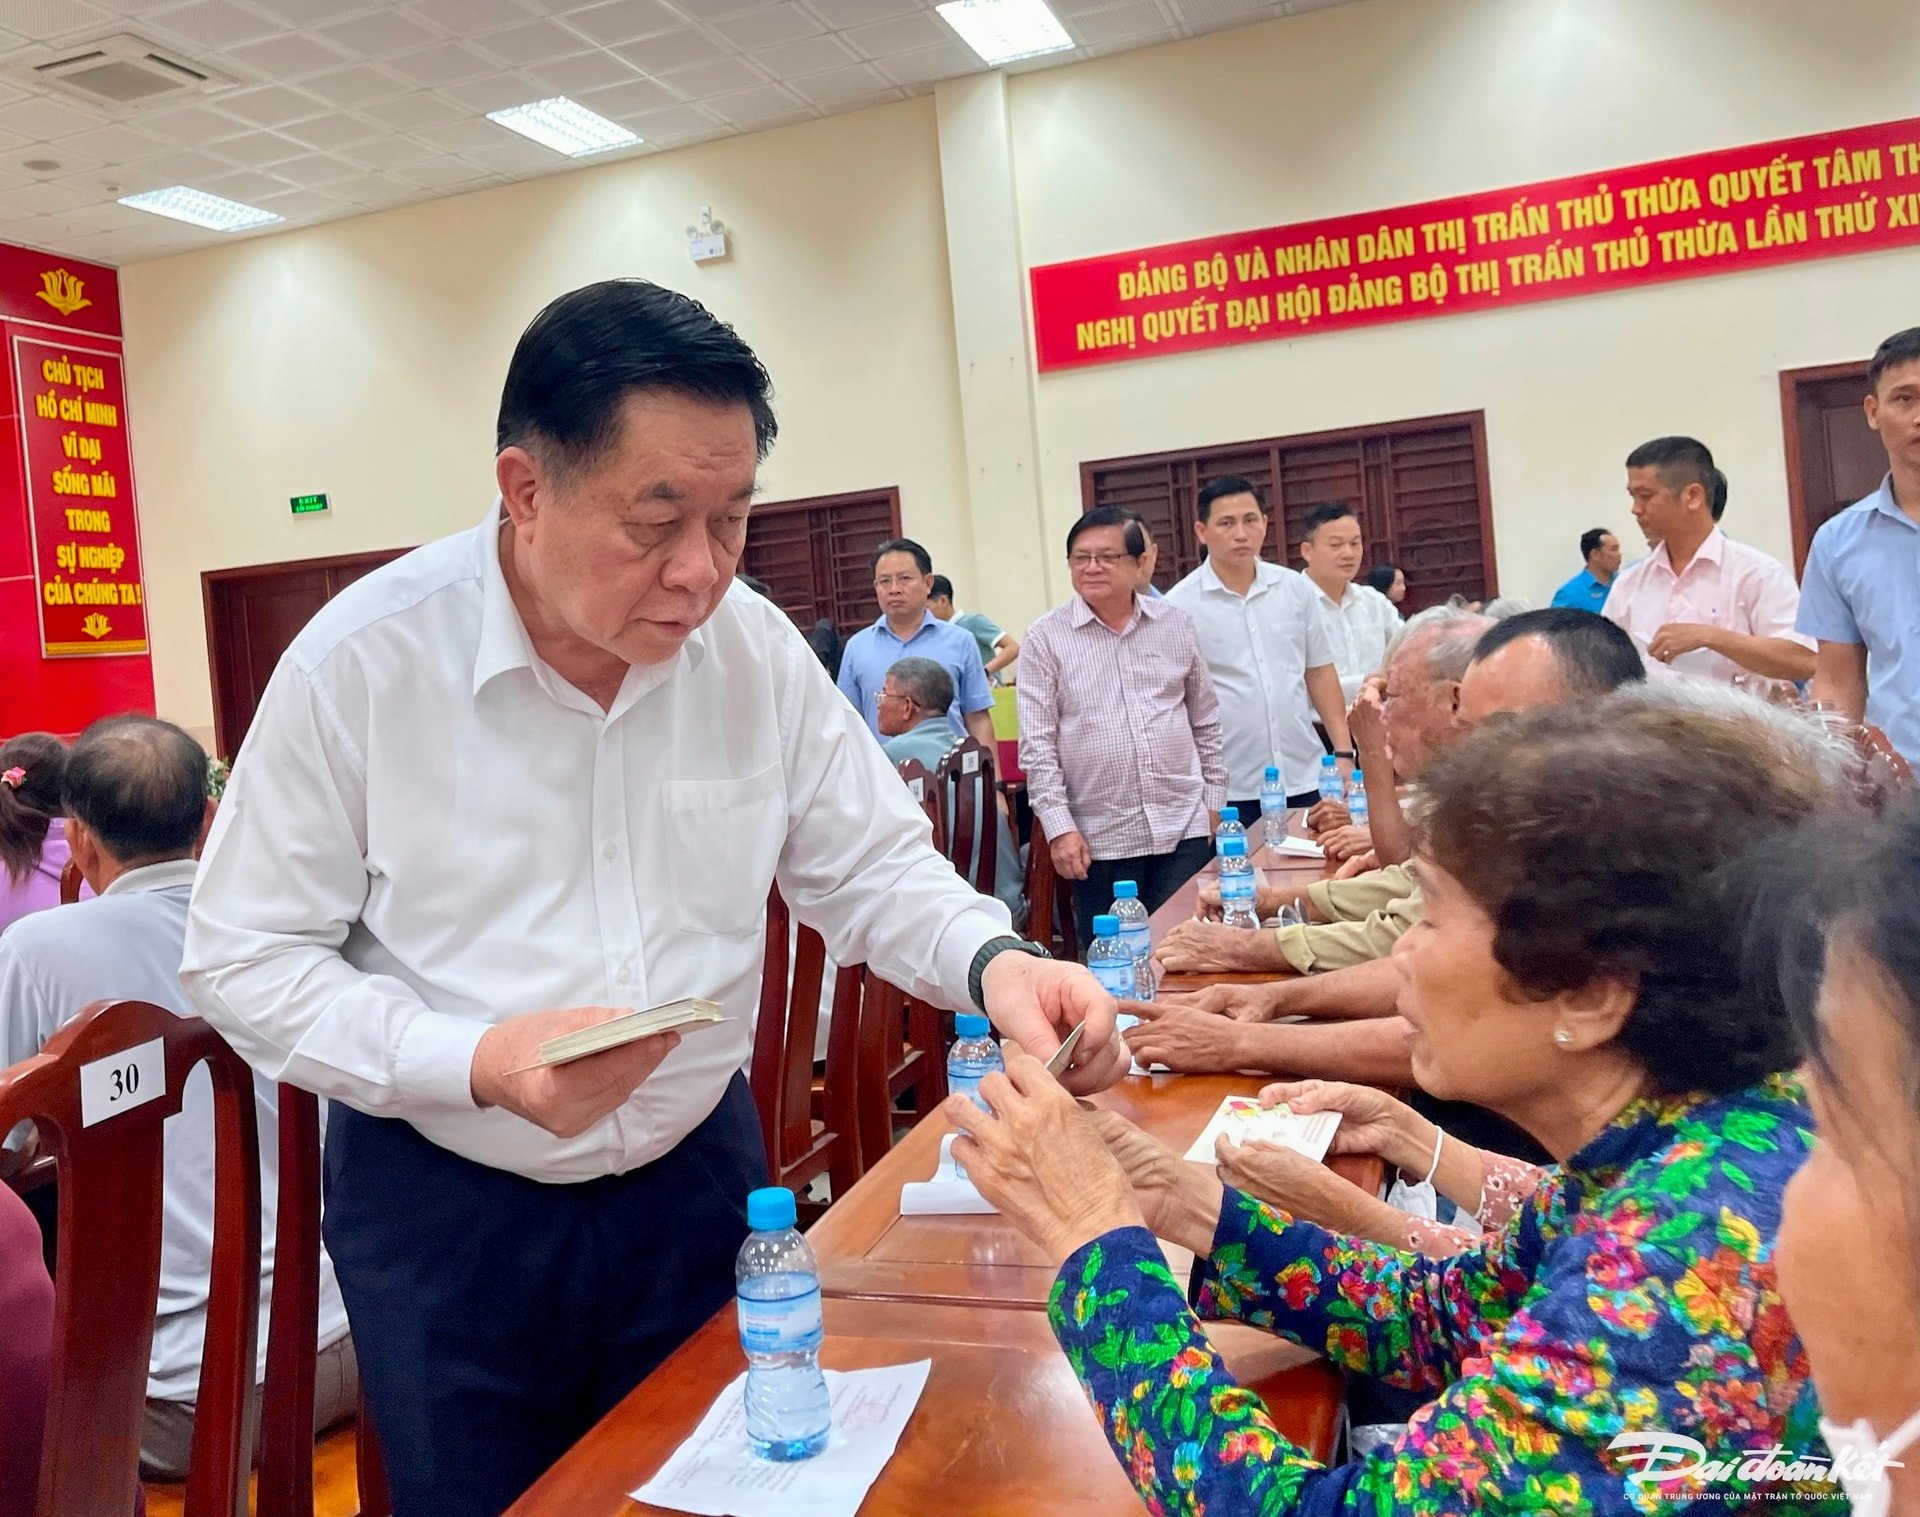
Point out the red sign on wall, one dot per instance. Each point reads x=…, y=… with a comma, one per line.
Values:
x=1822, y=196
x=79, y=476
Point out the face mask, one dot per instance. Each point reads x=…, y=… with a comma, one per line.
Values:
x=1858, y=1459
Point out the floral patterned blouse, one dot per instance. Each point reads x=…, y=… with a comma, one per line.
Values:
x=1633, y=1290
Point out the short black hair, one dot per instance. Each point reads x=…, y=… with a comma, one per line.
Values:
x=1327, y=511
x=1901, y=348
x=942, y=587
x=1590, y=541
x=1380, y=577
x=1111, y=516
x=580, y=358
x=1221, y=488
x=922, y=559
x=139, y=785
x=1681, y=461
x=1717, y=496
x=1594, y=655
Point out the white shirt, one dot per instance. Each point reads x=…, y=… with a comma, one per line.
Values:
x=125, y=946
x=1258, y=648
x=1726, y=584
x=429, y=831
x=1363, y=622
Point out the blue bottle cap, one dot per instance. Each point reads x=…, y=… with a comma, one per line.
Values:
x=1273, y=773
x=970, y=1024
x=770, y=1209
x=1229, y=813
x=1359, y=778
x=1327, y=761
x=1126, y=890
x=1233, y=848
x=1106, y=925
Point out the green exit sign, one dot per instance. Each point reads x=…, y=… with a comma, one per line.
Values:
x=306, y=505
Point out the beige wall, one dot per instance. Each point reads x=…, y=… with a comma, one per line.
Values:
x=364, y=358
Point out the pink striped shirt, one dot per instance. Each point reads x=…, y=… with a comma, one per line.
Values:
x=1120, y=731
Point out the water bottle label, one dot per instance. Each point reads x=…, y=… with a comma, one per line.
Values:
x=1116, y=976
x=781, y=1327
x=968, y=1086
x=1138, y=938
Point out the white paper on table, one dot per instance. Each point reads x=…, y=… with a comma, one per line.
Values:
x=717, y=1474
x=1242, y=1119
x=1299, y=847
x=948, y=1194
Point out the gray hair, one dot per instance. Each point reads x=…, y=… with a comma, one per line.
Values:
x=1506, y=605
x=1799, y=742
x=1455, y=633
x=923, y=682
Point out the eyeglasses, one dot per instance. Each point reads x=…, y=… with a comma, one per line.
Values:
x=1104, y=560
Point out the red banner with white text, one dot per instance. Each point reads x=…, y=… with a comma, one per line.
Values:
x=1823, y=196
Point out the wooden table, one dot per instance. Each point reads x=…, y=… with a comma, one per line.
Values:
x=1283, y=870
x=1001, y=1428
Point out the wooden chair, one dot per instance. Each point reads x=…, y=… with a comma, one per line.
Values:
x=1049, y=903
x=969, y=799
x=921, y=785
x=916, y=1034
x=70, y=883
x=91, y=1091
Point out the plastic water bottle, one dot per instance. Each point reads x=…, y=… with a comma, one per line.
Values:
x=1357, y=800
x=1330, y=787
x=973, y=1057
x=1110, y=958
x=1273, y=806
x=1237, y=885
x=1131, y=913
x=789, y=1413
x=1230, y=827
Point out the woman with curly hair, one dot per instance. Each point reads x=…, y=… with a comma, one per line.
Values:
x=1579, y=972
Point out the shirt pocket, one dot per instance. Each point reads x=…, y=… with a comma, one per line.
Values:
x=724, y=839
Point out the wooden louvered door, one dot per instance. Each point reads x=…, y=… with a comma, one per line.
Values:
x=1420, y=488
x=813, y=554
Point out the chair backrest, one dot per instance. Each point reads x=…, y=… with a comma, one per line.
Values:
x=921, y=785
x=1049, y=906
x=965, y=784
x=100, y=1092
x=70, y=883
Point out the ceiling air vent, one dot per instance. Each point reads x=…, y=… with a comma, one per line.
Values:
x=124, y=73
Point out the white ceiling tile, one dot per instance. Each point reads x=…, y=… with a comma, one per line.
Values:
x=309, y=12
x=810, y=55
x=584, y=72
x=380, y=34
x=184, y=167
x=96, y=218
x=841, y=14
x=405, y=112
x=675, y=122
x=629, y=99
x=438, y=173
x=373, y=189
x=947, y=61
x=256, y=149
x=670, y=50
x=194, y=124
x=337, y=130
x=249, y=186
x=38, y=199
x=842, y=85
x=110, y=144
x=1121, y=24
x=721, y=78
x=214, y=23
x=287, y=57
x=622, y=20
x=45, y=20
x=496, y=92
x=275, y=105
x=1203, y=11
x=354, y=86
x=903, y=34
x=535, y=42
x=304, y=205
x=769, y=27
x=445, y=63
x=42, y=118
x=713, y=10
x=463, y=136
x=750, y=107
x=512, y=154
x=469, y=18
x=388, y=152
x=315, y=168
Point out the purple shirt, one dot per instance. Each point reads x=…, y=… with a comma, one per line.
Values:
x=41, y=888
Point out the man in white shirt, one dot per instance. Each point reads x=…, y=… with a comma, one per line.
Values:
x=1363, y=620
x=136, y=798
x=508, y=786
x=1270, y=647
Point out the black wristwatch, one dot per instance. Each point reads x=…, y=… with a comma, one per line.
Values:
x=991, y=950
x=1348, y=753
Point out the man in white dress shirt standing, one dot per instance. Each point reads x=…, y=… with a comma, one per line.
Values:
x=1269, y=646
x=518, y=781
x=1363, y=620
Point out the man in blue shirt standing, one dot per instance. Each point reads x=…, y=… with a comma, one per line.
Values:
x=903, y=583
x=1587, y=590
x=1860, y=595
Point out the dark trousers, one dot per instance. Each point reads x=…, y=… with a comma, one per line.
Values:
x=1158, y=874
x=1250, y=810
x=498, y=1318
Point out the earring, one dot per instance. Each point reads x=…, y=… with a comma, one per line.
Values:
x=1563, y=1038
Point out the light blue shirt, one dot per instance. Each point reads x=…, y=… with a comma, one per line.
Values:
x=872, y=651
x=1583, y=593
x=1862, y=585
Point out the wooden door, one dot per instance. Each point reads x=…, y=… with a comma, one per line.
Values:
x=253, y=614
x=1833, y=457
x=813, y=555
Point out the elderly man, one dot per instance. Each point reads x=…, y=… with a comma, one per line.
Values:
x=1119, y=727
x=136, y=802
x=510, y=786
x=1539, y=658
x=903, y=584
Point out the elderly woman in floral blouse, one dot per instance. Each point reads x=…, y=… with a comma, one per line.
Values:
x=1577, y=972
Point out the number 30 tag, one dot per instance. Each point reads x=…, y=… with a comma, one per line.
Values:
x=129, y=1079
